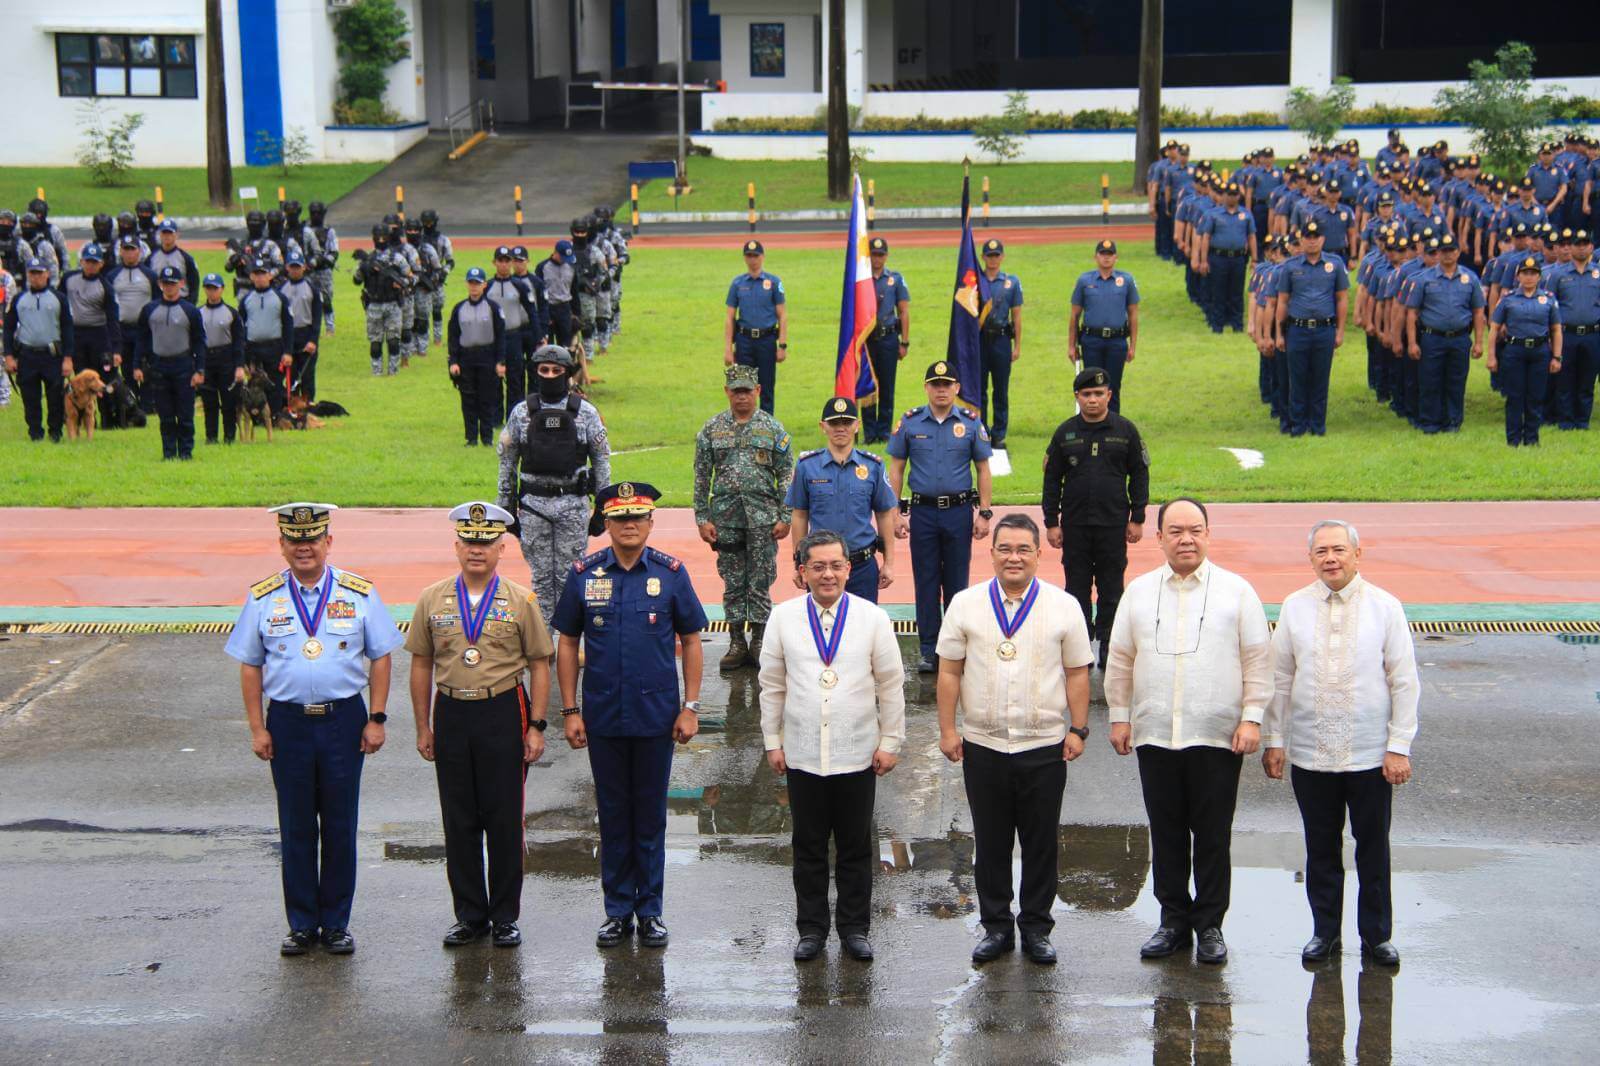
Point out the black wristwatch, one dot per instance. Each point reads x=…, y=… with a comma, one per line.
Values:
x=985, y=513
x=379, y=718
x=905, y=506
x=784, y=345
x=1081, y=732
x=538, y=723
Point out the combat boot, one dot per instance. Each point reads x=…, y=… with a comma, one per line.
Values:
x=758, y=630
x=738, y=651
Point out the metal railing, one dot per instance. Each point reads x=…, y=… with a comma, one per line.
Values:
x=470, y=123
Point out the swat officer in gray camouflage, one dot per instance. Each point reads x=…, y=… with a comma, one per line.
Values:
x=325, y=260
x=384, y=278
x=553, y=455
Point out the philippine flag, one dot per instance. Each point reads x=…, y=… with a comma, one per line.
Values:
x=858, y=312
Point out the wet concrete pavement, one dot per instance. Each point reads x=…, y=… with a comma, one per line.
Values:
x=142, y=911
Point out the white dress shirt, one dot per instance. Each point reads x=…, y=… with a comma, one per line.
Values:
x=1021, y=704
x=1190, y=658
x=832, y=731
x=1347, y=685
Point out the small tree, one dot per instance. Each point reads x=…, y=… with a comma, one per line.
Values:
x=106, y=150
x=1498, y=102
x=1320, y=116
x=1002, y=135
x=289, y=152
x=372, y=38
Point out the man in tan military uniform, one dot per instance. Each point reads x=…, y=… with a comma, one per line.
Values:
x=472, y=637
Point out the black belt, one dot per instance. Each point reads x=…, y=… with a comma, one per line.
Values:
x=568, y=490
x=957, y=499
x=1583, y=331
x=1230, y=253
x=30, y=349
x=863, y=555
x=311, y=710
x=1311, y=323
x=1447, y=334
x=1528, y=342
x=756, y=334
x=221, y=349
x=882, y=331
x=1106, y=334
x=997, y=331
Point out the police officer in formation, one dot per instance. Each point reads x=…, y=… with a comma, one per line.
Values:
x=842, y=488
x=39, y=208
x=1312, y=291
x=172, y=360
x=999, y=341
x=1444, y=332
x=256, y=247
x=1525, y=347
x=326, y=258
x=537, y=334
x=631, y=608
x=39, y=347
x=39, y=246
x=436, y=239
x=889, y=340
x=1576, y=287
x=593, y=284
x=135, y=286
x=308, y=640
x=268, y=331
x=305, y=315
x=515, y=298
x=96, y=330
x=225, y=361
x=743, y=466
x=1225, y=244
x=553, y=454
x=1104, y=326
x=480, y=684
x=1096, y=489
x=756, y=331
x=476, y=350
x=429, y=286
x=167, y=253
x=557, y=274
x=385, y=278
x=944, y=444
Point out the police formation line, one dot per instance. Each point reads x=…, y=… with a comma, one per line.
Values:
x=1191, y=700
x=1452, y=263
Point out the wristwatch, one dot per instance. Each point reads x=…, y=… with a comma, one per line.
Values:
x=538, y=723
x=565, y=711
x=1081, y=732
x=905, y=506
x=985, y=513
x=379, y=718
x=784, y=345
x=692, y=705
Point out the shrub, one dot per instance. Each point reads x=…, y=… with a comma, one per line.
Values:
x=1320, y=116
x=1498, y=102
x=372, y=38
x=1002, y=135
x=106, y=150
x=364, y=113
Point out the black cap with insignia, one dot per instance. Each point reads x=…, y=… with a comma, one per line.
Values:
x=1106, y=247
x=754, y=248
x=1529, y=264
x=992, y=246
x=940, y=371
x=877, y=245
x=1093, y=377
x=839, y=409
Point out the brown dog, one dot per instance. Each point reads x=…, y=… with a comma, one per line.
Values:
x=83, y=396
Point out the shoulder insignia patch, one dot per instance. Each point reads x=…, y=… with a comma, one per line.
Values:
x=967, y=412
x=582, y=564
x=814, y=451
x=668, y=561
x=869, y=455
x=266, y=585
x=354, y=583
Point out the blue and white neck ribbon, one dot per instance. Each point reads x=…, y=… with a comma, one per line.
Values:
x=473, y=618
x=312, y=620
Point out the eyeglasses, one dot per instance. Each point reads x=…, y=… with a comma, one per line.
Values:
x=1199, y=626
x=1020, y=552
x=827, y=568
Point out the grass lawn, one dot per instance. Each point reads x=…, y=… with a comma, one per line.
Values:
x=1191, y=393
x=70, y=191
x=792, y=185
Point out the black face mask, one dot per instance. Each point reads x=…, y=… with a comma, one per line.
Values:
x=552, y=389
x=6, y=232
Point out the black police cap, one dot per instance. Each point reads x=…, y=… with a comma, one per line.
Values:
x=840, y=409
x=1093, y=377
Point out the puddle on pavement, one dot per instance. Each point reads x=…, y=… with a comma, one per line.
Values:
x=64, y=840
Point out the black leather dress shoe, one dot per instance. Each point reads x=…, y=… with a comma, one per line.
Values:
x=808, y=947
x=338, y=942
x=613, y=932
x=507, y=935
x=1165, y=941
x=1384, y=954
x=993, y=946
x=462, y=933
x=652, y=932
x=927, y=665
x=1039, y=950
x=1211, y=947
x=298, y=942
x=1319, y=948
x=857, y=946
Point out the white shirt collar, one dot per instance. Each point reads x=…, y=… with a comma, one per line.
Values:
x=1201, y=573
x=1344, y=595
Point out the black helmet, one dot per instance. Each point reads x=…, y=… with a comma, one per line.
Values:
x=102, y=227
x=430, y=218
x=581, y=226
x=380, y=234
x=126, y=222
x=275, y=222
x=316, y=209
x=38, y=206
x=391, y=220
x=145, y=209
x=291, y=207
x=413, y=225
x=254, y=218
x=555, y=353
x=8, y=221
x=30, y=224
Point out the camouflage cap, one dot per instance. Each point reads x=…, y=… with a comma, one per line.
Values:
x=741, y=377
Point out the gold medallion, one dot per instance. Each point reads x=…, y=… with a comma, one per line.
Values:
x=311, y=648
x=1007, y=650
x=472, y=656
x=828, y=679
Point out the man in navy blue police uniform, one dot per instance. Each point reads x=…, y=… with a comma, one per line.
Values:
x=308, y=640
x=39, y=350
x=1577, y=288
x=1313, y=293
x=756, y=332
x=1227, y=243
x=843, y=488
x=944, y=444
x=1443, y=306
x=631, y=606
x=1104, y=325
x=890, y=339
x=172, y=353
x=999, y=341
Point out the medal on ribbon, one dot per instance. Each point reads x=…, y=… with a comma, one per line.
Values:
x=829, y=647
x=312, y=619
x=473, y=618
x=1007, y=649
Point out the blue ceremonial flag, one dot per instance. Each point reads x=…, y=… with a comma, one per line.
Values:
x=853, y=375
x=967, y=308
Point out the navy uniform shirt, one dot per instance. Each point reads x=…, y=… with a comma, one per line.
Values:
x=756, y=299
x=1263, y=182
x=355, y=628
x=1547, y=181
x=1312, y=287
x=1528, y=316
x=1005, y=292
x=1445, y=301
x=891, y=289
x=1230, y=230
x=1530, y=215
x=941, y=453
x=842, y=497
x=1336, y=223
x=629, y=621
x=1105, y=301
x=1579, y=293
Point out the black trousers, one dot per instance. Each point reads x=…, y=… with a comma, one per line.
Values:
x=562, y=324
x=1189, y=796
x=477, y=755
x=480, y=394
x=173, y=381
x=839, y=807
x=91, y=349
x=43, y=392
x=1323, y=799
x=218, y=395
x=1015, y=797
x=304, y=374
x=1095, y=556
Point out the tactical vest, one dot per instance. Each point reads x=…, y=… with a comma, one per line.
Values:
x=551, y=448
x=12, y=256
x=321, y=234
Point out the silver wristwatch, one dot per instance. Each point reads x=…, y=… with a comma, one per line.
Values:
x=692, y=705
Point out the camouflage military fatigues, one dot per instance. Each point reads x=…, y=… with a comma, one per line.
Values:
x=741, y=475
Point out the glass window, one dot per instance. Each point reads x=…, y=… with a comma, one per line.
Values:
x=75, y=81
x=110, y=48
x=181, y=84
x=72, y=47
x=180, y=51
x=114, y=64
x=143, y=81
x=766, y=50
x=111, y=81
x=142, y=51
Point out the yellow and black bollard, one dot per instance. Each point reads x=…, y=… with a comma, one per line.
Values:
x=1105, y=199
x=516, y=194
x=400, y=202
x=633, y=199
x=161, y=205
x=986, y=200
x=750, y=193
x=872, y=203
